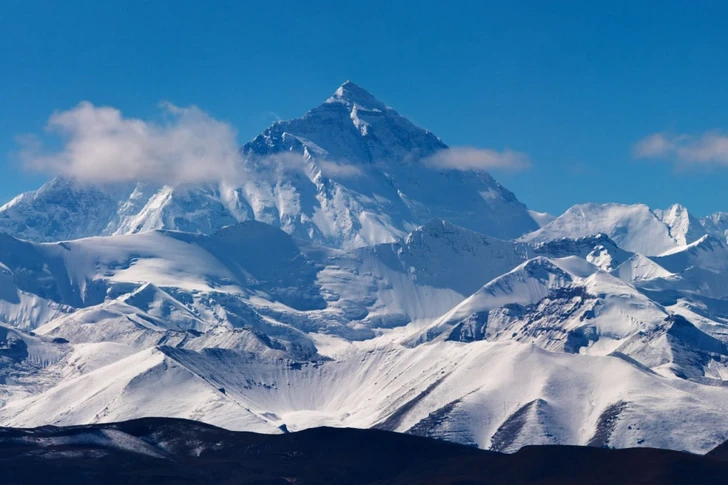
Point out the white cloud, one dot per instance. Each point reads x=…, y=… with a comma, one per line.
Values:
x=339, y=170
x=100, y=145
x=469, y=158
x=708, y=149
x=280, y=162
x=654, y=145
x=295, y=162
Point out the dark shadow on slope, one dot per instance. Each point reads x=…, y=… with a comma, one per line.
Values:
x=605, y=425
x=12, y=348
x=507, y=435
x=266, y=258
x=437, y=425
x=395, y=419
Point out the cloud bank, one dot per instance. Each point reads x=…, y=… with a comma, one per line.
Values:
x=100, y=145
x=707, y=150
x=470, y=158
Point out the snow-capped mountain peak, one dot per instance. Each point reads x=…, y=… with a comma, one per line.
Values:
x=684, y=227
x=635, y=227
x=352, y=95
x=351, y=126
x=345, y=174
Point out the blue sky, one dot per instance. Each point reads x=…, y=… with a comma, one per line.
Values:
x=575, y=85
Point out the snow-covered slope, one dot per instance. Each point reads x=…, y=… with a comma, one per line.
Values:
x=640, y=268
x=565, y=305
x=348, y=173
x=526, y=284
x=684, y=227
x=693, y=272
x=716, y=224
x=116, y=391
x=707, y=252
x=259, y=330
x=252, y=274
x=456, y=391
x=141, y=288
x=541, y=218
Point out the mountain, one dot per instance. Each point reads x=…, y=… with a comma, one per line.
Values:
x=684, y=227
x=159, y=450
x=541, y=218
x=635, y=228
x=707, y=252
x=348, y=173
x=567, y=305
x=261, y=331
x=716, y=224
x=528, y=283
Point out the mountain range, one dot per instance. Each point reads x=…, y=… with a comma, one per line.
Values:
x=348, y=282
x=164, y=450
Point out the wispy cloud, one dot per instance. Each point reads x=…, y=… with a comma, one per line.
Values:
x=286, y=162
x=339, y=170
x=99, y=144
x=470, y=158
x=707, y=150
